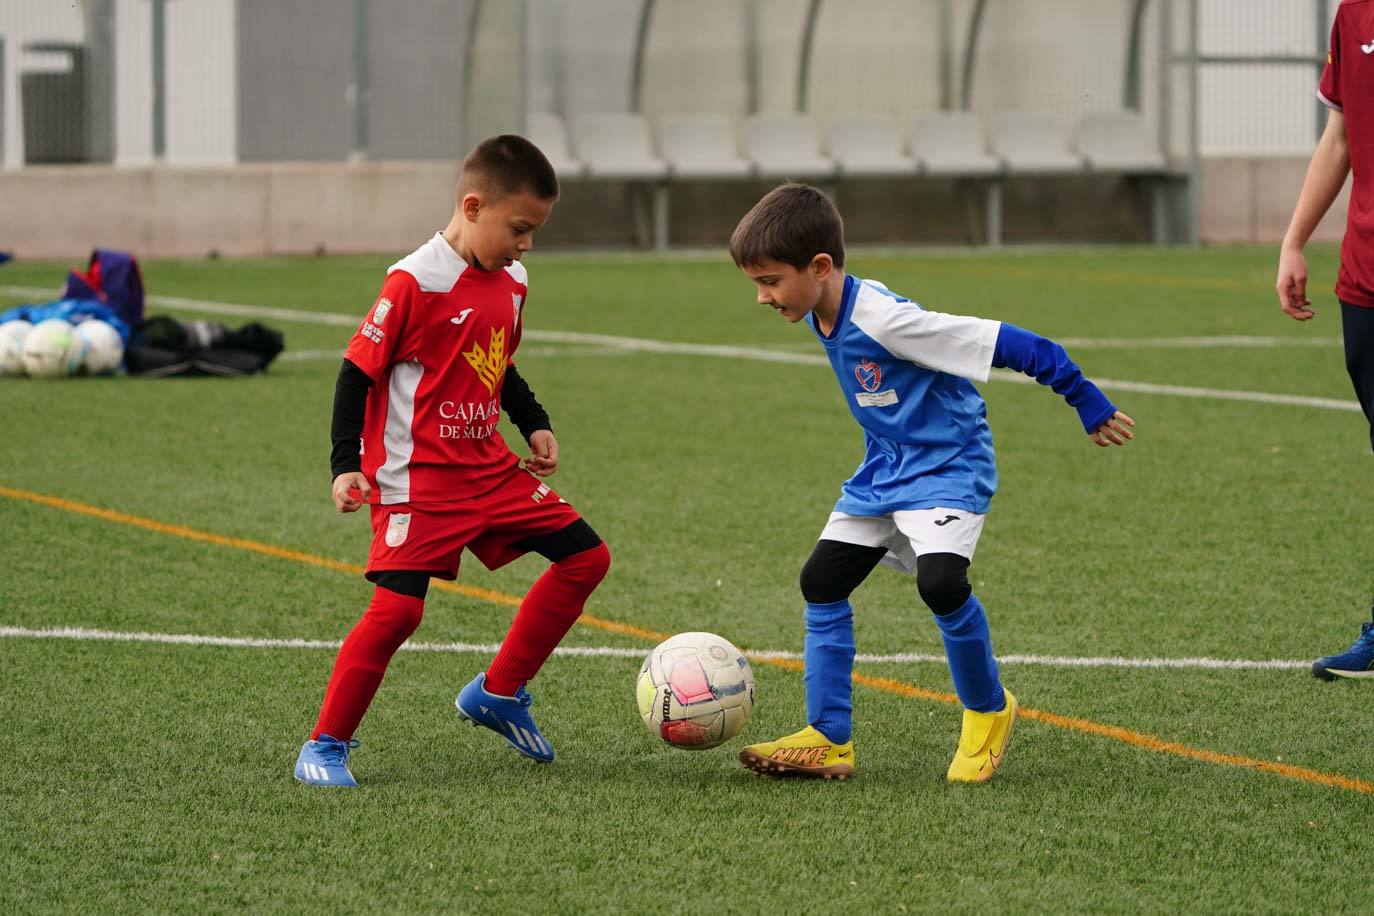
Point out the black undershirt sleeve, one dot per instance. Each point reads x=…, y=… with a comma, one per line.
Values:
x=524, y=411
x=346, y=428
x=350, y=406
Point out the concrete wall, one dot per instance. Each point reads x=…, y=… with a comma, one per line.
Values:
x=244, y=210
x=1252, y=200
x=285, y=208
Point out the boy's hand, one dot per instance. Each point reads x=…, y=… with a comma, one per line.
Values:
x=1292, y=284
x=344, y=484
x=543, y=459
x=1116, y=431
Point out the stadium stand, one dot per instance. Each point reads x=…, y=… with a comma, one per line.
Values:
x=1033, y=144
x=1117, y=142
x=869, y=146
x=548, y=132
x=785, y=146
x=703, y=146
x=616, y=147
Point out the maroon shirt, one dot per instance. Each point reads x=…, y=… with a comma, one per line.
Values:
x=1347, y=85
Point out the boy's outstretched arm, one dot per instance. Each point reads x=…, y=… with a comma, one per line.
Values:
x=1049, y=364
x=530, y=417
x=345, y=430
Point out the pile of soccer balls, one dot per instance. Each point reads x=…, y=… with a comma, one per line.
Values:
x=56, y=349
x=695, y=691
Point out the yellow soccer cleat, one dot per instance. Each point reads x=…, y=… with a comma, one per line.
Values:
x=808, y=753
x=983, y=743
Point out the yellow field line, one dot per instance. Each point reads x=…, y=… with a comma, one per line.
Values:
x=889, y=685
x=1136, y=739
x=281, y=553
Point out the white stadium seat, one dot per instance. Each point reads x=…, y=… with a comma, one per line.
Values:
x=701, y=145
x=1034, y=143
x=546, y=131
x=869, y=145
x=1117, y=142
x=615, y=145
x=785, y=146
x=949, y=143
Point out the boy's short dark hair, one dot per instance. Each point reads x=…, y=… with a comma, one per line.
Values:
x=792, y=224
x=508, y=164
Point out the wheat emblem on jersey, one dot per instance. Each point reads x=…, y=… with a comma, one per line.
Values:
x=489, y=364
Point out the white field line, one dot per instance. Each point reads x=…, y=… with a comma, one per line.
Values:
x=242, y=642
x=1223, y=341
x=310, y=356
x=1194, y=343
x=645, y=345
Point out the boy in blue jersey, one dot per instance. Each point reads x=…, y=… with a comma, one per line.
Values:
x=919, y=499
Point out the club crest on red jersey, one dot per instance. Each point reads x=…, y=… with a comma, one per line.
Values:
x=869, y=375
x=489, y=364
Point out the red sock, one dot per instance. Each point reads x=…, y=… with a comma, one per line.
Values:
x=388, y=622
x=551, y=607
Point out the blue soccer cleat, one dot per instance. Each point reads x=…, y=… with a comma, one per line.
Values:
x=324, y=762
x=1357, y=661
x=509, y=717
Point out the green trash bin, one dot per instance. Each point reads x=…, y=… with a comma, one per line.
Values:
x=54, y=107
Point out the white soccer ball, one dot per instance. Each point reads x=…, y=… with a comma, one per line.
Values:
x=695, y=691
x=104, y=346
x=52, y=351
x=12, y=334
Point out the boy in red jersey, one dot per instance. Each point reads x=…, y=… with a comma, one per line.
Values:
x=416, y=409
x=1346, y=147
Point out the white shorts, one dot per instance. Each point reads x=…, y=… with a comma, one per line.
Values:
x=909, y=533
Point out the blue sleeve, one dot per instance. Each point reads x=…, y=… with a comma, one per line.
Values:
x=1049, y=364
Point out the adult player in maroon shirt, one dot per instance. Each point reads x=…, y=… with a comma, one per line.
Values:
x=415, y=438
x=1346, y=146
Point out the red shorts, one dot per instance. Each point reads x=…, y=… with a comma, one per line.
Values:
x=430, y=537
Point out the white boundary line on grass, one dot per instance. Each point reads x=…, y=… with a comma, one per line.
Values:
x=310, y=356
x=1238, y=341
x=243, y=642
x=751, y=353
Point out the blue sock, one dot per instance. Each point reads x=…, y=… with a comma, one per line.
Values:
x=969, y=648
x=829, y=674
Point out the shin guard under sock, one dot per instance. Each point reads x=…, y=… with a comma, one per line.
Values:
x=389, y=620
x=968, y=645
x=548, y=611
x=829, y=669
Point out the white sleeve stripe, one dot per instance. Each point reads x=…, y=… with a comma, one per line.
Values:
x=1327, y=102
x=954, y=344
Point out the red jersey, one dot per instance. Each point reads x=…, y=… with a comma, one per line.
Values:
x=1347, y=85
x=436, y=345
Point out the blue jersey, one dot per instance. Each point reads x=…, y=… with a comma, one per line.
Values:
x=905, y=373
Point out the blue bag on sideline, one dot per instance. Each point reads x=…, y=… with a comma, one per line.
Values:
x=74, y=311
x=112, y=278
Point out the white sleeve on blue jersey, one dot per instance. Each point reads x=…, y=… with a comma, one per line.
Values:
x=954, y=344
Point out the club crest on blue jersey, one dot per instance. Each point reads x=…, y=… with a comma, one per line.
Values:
x=869, y=374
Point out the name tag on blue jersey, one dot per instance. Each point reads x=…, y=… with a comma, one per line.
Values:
x=880, y=399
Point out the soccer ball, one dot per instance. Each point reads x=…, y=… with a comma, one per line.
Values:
x=104, y=346
x=51, y=350
x=12, y=334
x=695, y=691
